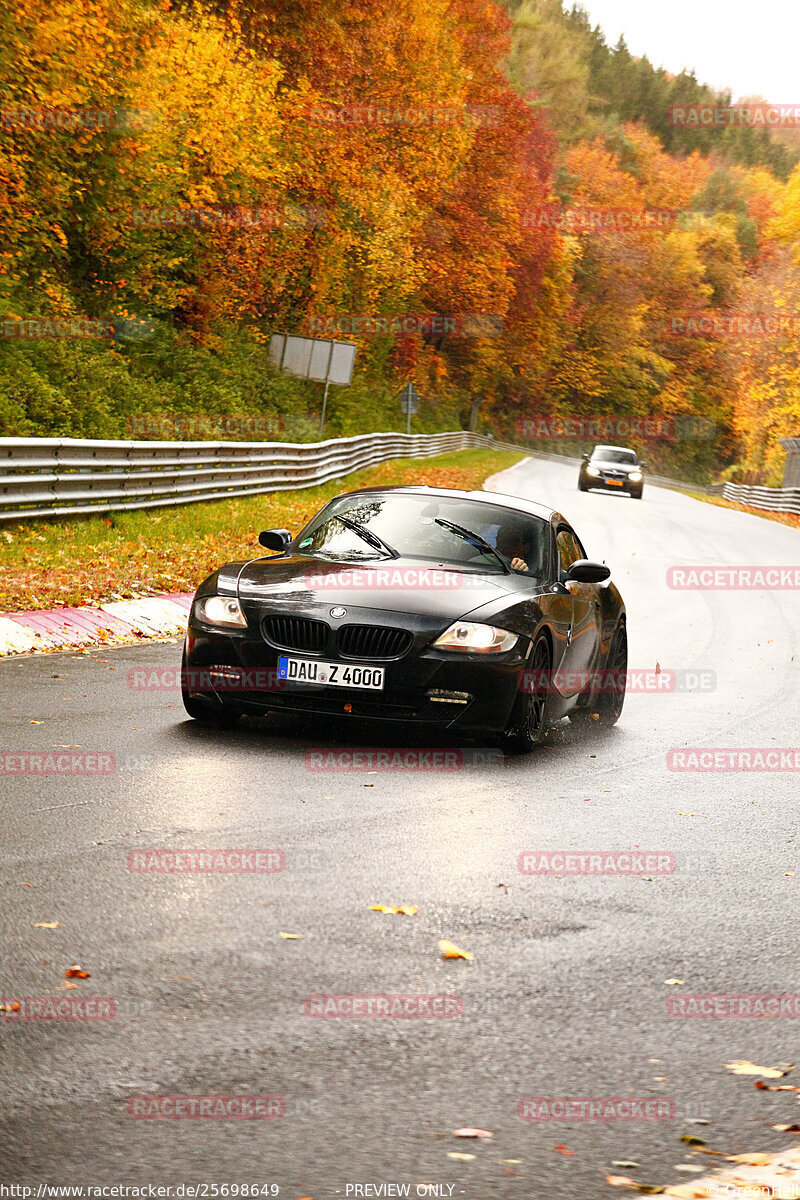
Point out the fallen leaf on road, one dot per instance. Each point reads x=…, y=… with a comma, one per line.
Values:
x=405, y=910
x=450, y=951
x=787, y=1128
x=564, y=1150
x=290, y=937
x=9, y=1008
x=36, y=722
x=751, y=1160
x=624, y=1162
x=688, y=1167
x=473, y=1133
x=677, y=982
x=76, y=973
x=777, y=1087
x=622, y=1181
x=45, y=924
x=691, y=1140
x=461, y=1157
x=742, y=1067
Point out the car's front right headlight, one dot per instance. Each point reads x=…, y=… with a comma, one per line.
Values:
x=476, y=638
x=592, y=470
x=224, y=611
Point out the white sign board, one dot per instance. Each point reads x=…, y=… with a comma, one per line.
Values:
x=313, y=358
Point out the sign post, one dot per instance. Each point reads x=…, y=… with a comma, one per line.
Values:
x=314, y=358
x=409, y=403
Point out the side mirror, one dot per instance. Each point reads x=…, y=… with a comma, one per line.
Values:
x=642, y=465
x=275, y=539
x=584, y=571
x=585, y=457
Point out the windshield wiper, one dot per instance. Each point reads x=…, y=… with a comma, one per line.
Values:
x=373, y=539
x=476, y=540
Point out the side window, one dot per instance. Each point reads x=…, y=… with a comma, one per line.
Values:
x=569, y=548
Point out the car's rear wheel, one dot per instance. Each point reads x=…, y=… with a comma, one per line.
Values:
x=528, y=721
x=207, y=713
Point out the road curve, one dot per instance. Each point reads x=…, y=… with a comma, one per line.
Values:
x=566, y=996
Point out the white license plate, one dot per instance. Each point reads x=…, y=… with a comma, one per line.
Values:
x=309, y=670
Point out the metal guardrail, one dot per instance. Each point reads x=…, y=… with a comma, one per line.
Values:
x=771, y=499
x=53, y=477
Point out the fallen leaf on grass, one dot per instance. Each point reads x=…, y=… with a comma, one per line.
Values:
x=76, y=973
x=742, y=1067
x=473, y=1133
x=290, y=937
x=45, y=924
x=564, y=1150
x=450, y=951
x=404, y=910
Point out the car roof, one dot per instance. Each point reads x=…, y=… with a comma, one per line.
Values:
x=628, y=449
x=518, y=503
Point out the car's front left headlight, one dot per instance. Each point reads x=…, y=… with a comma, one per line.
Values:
x=475, y=638
x=223, y=611
x=635, y=477
x=592, y=470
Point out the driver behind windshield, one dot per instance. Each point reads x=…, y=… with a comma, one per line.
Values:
x=516, y=543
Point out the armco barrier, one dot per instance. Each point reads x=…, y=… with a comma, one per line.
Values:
x=771, y=499
x=50, y=477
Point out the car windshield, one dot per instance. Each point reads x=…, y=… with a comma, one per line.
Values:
x=413, y=526
x=611, y=455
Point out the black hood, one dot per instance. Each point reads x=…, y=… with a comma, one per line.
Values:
x=399, y=585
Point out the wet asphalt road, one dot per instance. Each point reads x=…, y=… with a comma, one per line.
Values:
x=566, y=995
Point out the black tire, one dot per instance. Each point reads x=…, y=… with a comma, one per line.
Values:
x=638, y=495
x=607, y=707
x=528, y=721
x=582, y=487
x=214, y=715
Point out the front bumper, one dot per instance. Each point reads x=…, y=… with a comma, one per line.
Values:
x=607, y=483
x=240, y=671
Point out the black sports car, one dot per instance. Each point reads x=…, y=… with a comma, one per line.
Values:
x=613, y=468
x=470, y=612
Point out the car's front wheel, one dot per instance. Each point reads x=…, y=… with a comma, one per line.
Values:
x=215, y=715
x=528, y=721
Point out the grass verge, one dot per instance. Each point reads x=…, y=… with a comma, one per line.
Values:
x=48, y=564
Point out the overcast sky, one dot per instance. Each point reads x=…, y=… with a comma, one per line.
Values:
x=752, y=47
